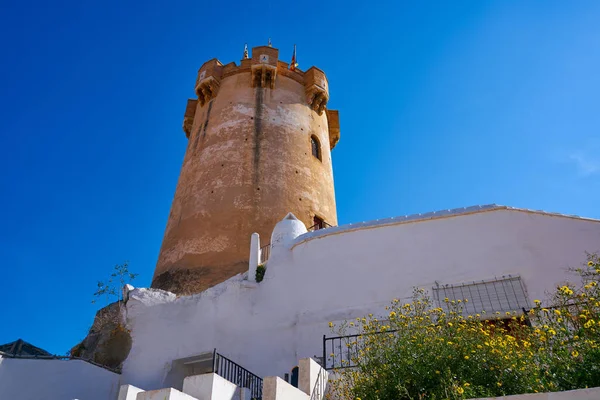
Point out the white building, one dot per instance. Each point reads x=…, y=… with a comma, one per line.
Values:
x=501, y=258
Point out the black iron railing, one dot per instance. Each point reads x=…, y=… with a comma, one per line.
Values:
x=265, y=252
x=318, y=391
x=237, y=375
x=342, y=351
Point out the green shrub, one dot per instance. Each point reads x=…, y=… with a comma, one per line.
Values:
x=423, y=352
x=260, y=272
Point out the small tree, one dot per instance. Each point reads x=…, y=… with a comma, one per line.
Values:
x=113, y=287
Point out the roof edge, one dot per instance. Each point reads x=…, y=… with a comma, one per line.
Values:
x=455, y=212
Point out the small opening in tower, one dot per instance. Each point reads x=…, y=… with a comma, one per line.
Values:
x=315, y=147
x=318, y=223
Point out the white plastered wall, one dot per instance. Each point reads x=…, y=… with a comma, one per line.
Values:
x=342, y=273
x=26, y=379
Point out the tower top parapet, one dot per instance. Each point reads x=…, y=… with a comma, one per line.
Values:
x=264, y=66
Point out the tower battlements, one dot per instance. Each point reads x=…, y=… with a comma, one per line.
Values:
x=264, y=67
x=260, y=139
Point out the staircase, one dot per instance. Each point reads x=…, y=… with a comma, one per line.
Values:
x=212, y=386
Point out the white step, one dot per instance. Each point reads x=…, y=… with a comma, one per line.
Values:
x=164, y=394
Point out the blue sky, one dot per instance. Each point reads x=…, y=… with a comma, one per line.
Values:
x=442, y=105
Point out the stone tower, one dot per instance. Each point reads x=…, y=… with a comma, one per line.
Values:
x=259, y=146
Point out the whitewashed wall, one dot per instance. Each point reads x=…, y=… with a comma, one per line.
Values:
x=24, y=379
x=343, y=273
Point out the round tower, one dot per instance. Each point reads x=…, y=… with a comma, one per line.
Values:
x=259, y=146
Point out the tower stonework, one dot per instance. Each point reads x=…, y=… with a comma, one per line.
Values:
x=259, y=146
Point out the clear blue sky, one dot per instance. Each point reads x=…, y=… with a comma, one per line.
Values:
x=442, y=104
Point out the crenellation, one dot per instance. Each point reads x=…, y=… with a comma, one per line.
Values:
x=317, y=89
x=265, y=55
x=229, y=69
x=209, y=80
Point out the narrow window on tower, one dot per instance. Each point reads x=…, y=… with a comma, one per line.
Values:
x=315, y=147
x=318, y=223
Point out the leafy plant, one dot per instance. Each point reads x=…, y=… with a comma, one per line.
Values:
x=260, y=272
x=112, y=288
x=420, y=351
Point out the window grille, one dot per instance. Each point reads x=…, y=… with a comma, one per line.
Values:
x=506, y=294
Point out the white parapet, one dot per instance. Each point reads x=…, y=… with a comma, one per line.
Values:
x=128, y=392
x=309, y=372
x=254, y=256
x=164, y=394
x=275, y=388
x=213, y=387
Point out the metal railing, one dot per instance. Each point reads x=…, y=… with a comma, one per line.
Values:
x=265, y=252
x=342, y=351
x=319, y=225
x=237, y=375
x=318, y=391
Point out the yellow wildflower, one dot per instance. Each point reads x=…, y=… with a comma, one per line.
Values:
x=460, y=390
x=575, y=353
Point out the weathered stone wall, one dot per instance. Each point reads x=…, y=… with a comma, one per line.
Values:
x=248, y=163
x=108, y=342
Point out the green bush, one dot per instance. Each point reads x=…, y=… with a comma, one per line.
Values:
x=424, y=352
x=260, y=272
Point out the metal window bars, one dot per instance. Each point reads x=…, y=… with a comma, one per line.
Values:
x=319, y=225
x=505, y=294
x=265, y=252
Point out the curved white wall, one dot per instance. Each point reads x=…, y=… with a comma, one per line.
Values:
x=340, y=273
